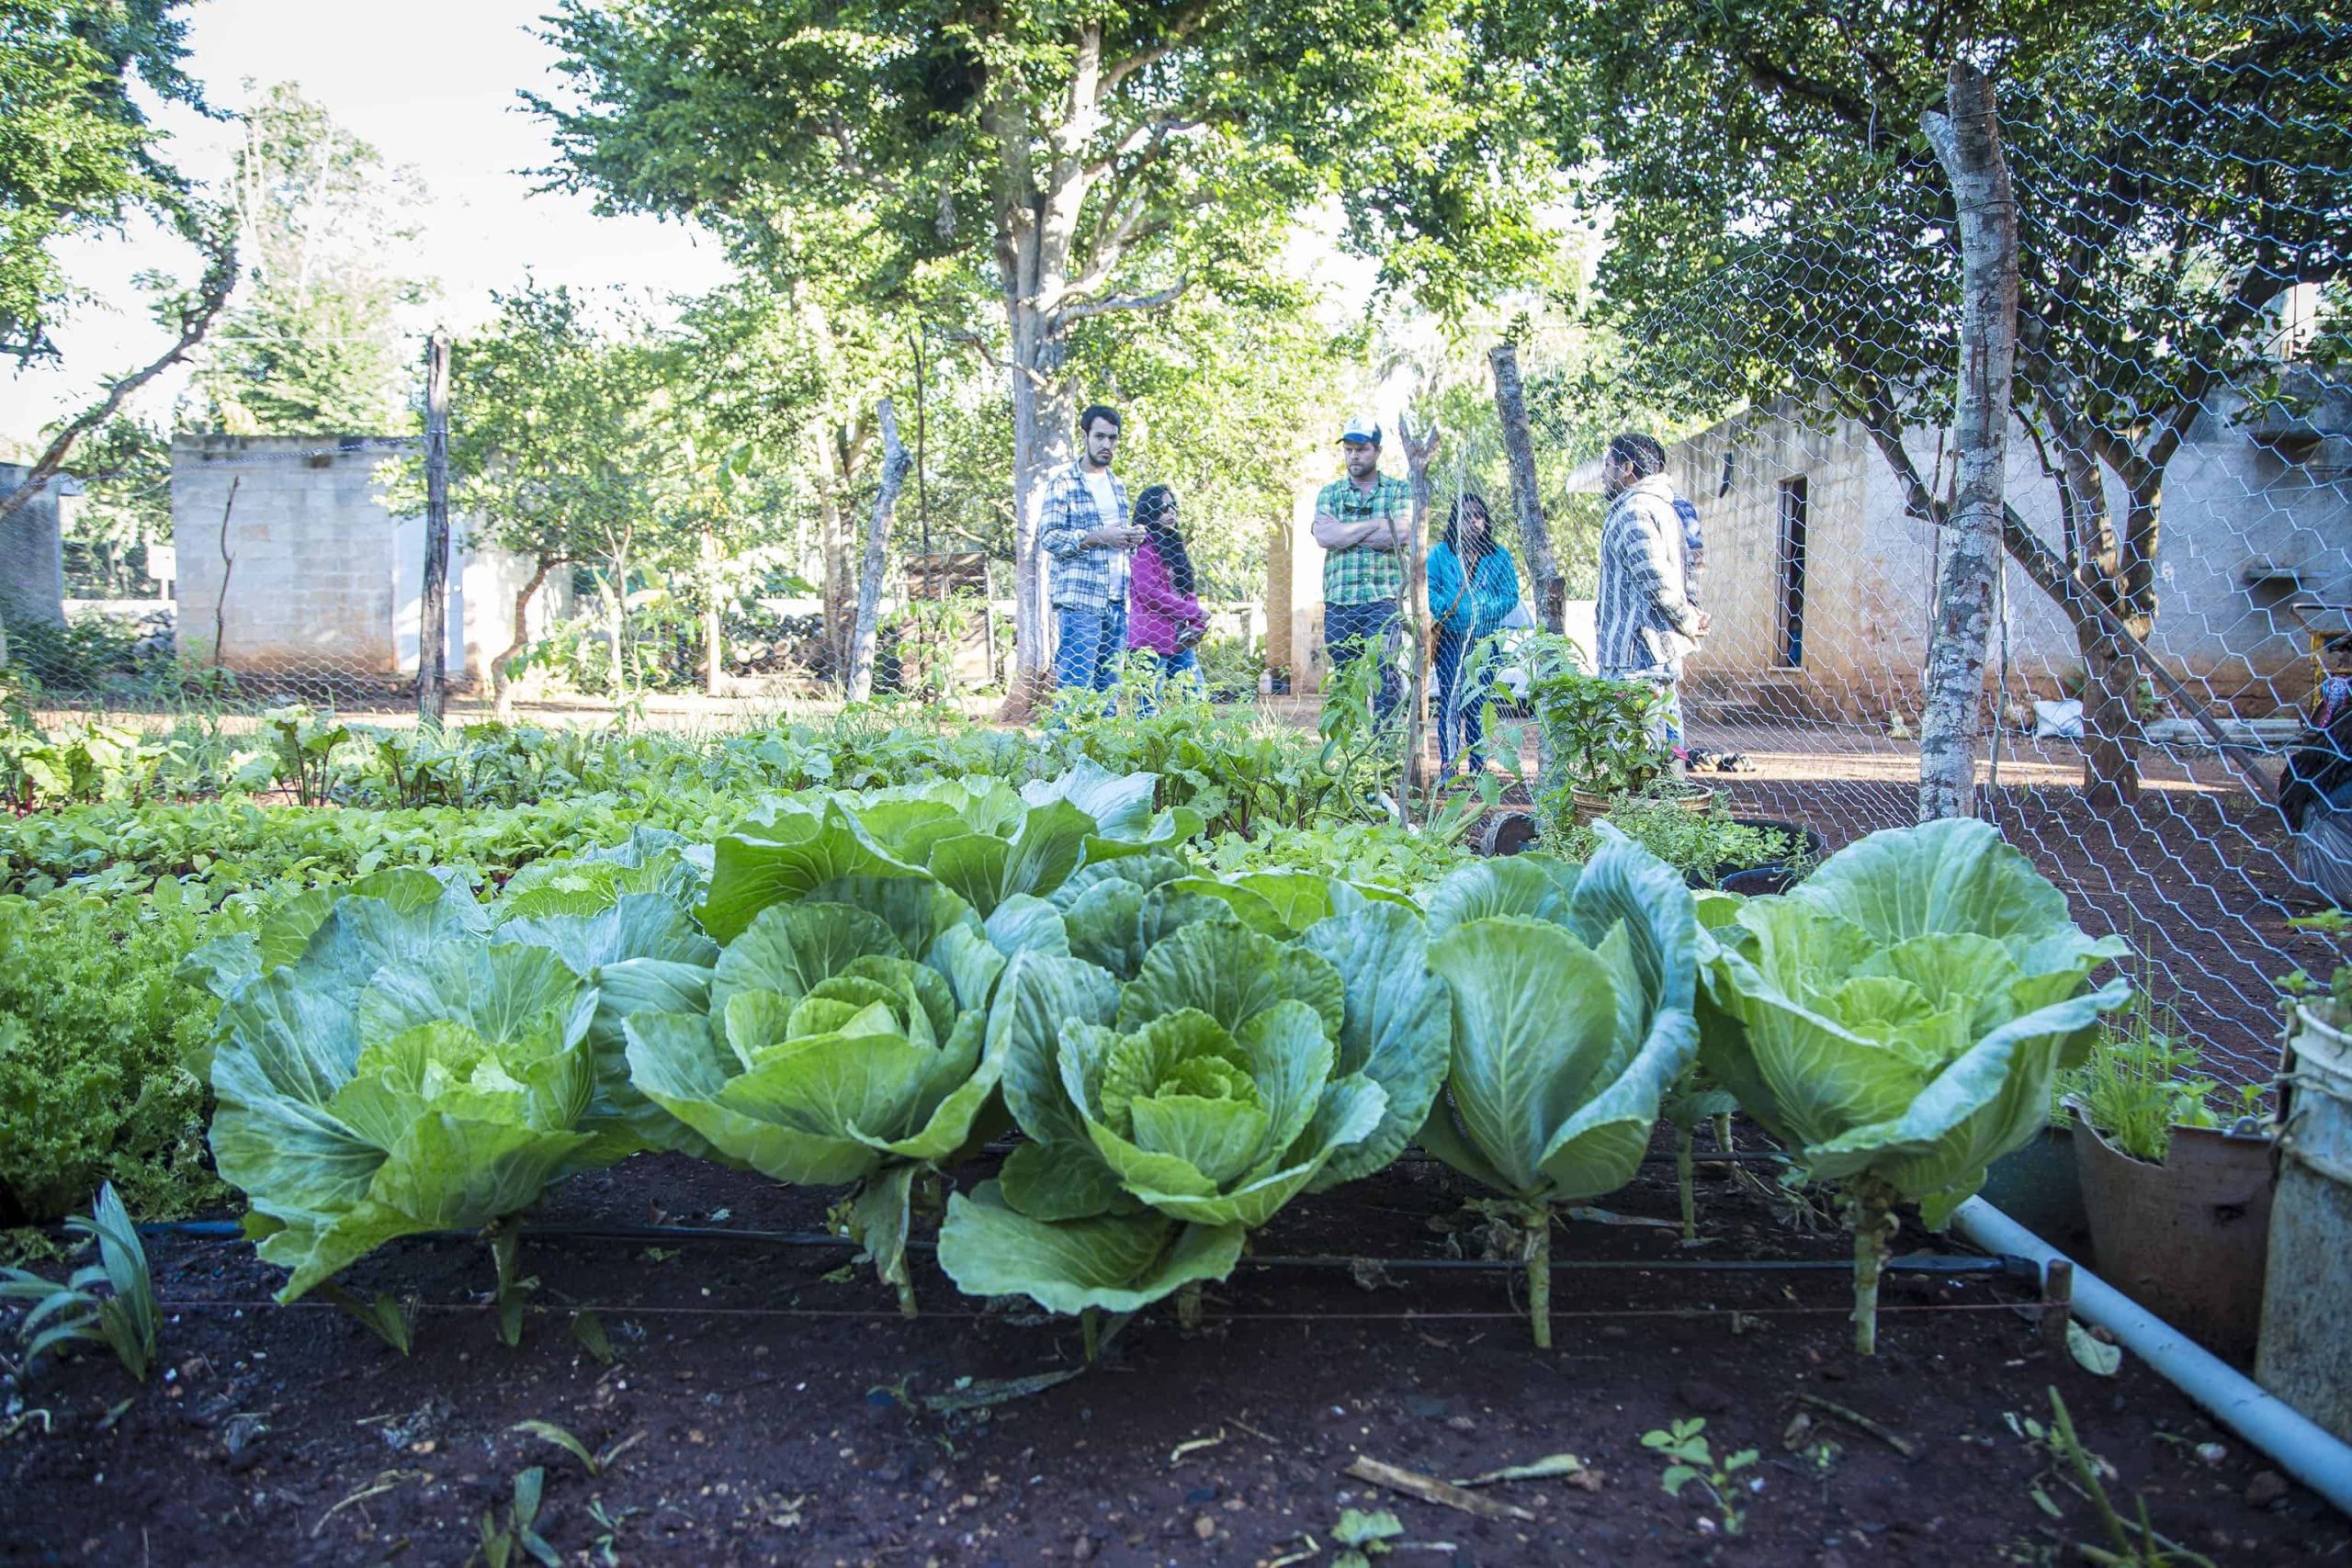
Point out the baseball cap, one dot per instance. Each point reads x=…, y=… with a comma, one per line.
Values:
x=1364, y=428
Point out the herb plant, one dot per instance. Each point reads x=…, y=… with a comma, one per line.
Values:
x=110, y=1303
x=1692, y=1461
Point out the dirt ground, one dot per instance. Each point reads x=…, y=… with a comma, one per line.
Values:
x=765, y=1406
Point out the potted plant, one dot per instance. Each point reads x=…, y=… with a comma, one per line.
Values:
x=2178, y=1205
x=1601, y=739
x=1711, y=849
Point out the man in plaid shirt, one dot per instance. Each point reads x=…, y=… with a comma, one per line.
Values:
x=1362, y=522
x=1646, y=620
x=1084, y=527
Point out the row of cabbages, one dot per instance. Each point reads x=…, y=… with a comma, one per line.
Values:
x=867, y=989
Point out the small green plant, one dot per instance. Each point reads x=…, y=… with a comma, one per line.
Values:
x=1602, y=735
x=595, y=1462
x=1363, y=1537
x=500, y=1542
x=2134, y=1545
x=124, y=1318
x=2141, y=1081
x=393, y=1322
x=301, y=751
x=1684, y=1445
x=1702, y=844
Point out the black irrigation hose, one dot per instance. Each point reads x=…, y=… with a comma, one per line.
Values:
x=1913, y=1263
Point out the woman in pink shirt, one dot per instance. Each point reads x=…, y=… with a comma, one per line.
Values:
x=1162, y=614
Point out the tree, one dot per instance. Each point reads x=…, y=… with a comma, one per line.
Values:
x=77, y=153
x=1780, y=227
x=1100, y=161
x=312, y=346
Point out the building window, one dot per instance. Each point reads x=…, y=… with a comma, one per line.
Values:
x=1791, y=552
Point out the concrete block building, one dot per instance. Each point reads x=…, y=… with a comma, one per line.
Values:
x=292, y=563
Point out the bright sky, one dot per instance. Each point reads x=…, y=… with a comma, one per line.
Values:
x=433, y=84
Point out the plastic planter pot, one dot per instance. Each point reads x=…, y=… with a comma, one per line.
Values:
x=2187, y=1238
x=2306, y=1353
x=1773, y=876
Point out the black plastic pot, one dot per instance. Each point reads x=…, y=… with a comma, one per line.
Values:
x=1774, y=877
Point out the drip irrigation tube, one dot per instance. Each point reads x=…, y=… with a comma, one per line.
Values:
x=2305, y=1451
x=1915, y=1263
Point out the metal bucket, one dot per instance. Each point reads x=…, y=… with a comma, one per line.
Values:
x=2185, y=1238
x=2040, y=1187
x=2306, y=1356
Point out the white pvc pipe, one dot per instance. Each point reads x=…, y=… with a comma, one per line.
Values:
x=2306, y=1451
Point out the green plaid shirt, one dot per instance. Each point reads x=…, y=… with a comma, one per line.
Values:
x=1364, y=576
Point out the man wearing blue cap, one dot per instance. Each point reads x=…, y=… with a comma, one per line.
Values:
x=1363, y=523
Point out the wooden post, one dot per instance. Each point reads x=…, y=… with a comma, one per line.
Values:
x=2057, y=1303
x=1967, y=141
x=895, y=464
x=433, y=621
x=1544, y=582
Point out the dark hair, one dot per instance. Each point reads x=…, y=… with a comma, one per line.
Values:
x=1156, y=516
x=1485, y=544
x=1094, y=411
x=1639, y=452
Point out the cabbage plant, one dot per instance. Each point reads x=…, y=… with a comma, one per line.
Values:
x=1182, y=1077
x=1897, y=1018
x=1572, y=991
x=400, y=1058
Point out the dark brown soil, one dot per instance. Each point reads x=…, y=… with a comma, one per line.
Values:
x=774, y=1411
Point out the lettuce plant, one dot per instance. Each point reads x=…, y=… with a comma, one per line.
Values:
x=1896, y=1020
x=1572, y=990
x=1183, y=1075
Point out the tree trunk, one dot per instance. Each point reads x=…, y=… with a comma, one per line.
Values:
x=432, y=617
x=1967, y=143
x=500, y=677
x=714, y=644
x=612, y=587
x=1527, y=502
x=895, y=463
x=1041, y=442
x=1412, y=613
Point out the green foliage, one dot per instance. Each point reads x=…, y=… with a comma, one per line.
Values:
x=124, y=1318
x=312, y=346
x=1896, y=1020
x=1369, y=854
x=520, y=1530
x=79, y=79
x=1698, y=844
x=1692, y=1460
x=94, y=1032
x=1601, y=734
x=1365, y=1537
x=1186, y=1059
x=2143, y=1077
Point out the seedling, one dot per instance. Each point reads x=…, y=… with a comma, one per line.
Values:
x=2150, y=1549
x=393, y=1322
x=124, y=1318
x=608, y=1531
x=520, y=1532
x=595, y=1463
x=1362, y=1537
x=1685, y=1445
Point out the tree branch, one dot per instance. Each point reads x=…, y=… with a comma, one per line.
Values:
x=1087, y=309
x=1179, y=28
x=219, y=277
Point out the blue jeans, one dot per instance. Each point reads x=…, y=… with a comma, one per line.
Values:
x=1175, y=666
x=1352, y=630
x=1469, y=725
x=1091, y=644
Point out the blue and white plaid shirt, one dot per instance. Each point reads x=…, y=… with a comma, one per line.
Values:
x=1645, y=622
x=1084, y=577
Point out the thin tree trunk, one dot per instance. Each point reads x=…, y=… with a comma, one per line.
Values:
x=1967, y=143
x=501, y=676
x=895, y=463
x=1412, y=611
x=714, y=646
x=1041, y=435
x=433, y=613
x=228, y=565
x=1527, y=502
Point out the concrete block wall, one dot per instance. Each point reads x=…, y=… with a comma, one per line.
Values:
x=32, y=551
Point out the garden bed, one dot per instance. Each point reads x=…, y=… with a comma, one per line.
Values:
x=771, y=1405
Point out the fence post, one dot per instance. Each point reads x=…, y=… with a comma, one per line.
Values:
x=433, y=621
x=1535, y=535
x=1967, y=141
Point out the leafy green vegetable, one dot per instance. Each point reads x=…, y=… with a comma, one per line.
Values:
x=1896, y=1020
x=1185, y=1067
x=1572, y=991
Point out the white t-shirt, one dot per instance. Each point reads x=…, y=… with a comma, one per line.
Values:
x=1106, y=503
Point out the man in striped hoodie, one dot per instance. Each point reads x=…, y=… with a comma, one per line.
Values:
x=1645, y=621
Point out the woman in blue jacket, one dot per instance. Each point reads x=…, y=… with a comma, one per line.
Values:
x=1473, y=585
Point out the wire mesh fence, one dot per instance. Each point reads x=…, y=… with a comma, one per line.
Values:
x=2177, y=574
